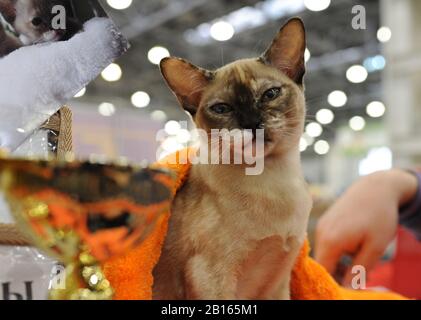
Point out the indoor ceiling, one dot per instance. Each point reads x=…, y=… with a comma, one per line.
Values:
x=333, y=43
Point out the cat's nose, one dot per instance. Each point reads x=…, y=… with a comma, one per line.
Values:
x=250, y=120
x=251, y=126
x=254, y=125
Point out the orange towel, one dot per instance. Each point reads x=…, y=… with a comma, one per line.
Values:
x=131, y=274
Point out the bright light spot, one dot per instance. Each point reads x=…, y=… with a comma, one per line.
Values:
x=325, y=116
x=183, y=136
x=314, y=129
x=317, y=5
x=158, y=115
x=337, y=98
x=357, y=123
x=140, y=99
x=222, y=31
x=106, y=109
x=81, y=93
x=112, y=73
x=171, y=145
x=93, y=280
x=376, y=160
x=307, y=55
x=172, y=127
x=375, y=63
x=303, y=144
x=119, y=4
x=308, y=139
x=356, y=74
x=20, y=130
x=156, y=54
x=321, y=147
x=384, y=34
x=376, y=109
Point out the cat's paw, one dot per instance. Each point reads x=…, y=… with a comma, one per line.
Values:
x=107, y=35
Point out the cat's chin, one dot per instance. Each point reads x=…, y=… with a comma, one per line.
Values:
x=51, y=36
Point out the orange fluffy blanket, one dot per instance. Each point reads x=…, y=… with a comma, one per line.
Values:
x=131, y=274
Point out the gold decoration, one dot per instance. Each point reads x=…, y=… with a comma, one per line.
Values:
x=83, y=214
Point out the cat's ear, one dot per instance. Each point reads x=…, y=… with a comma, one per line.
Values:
x=286, y=52
x=186, y=81
x=8, y=10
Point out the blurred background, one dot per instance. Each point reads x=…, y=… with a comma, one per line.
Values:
x=361, y=84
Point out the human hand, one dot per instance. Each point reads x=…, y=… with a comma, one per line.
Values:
x=363, y=221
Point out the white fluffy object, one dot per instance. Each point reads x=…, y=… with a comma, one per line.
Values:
x=36, y=81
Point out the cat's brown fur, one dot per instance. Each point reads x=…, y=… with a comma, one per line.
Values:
x=231, y=235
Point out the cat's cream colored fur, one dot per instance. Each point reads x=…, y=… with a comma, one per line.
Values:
x=234, y=236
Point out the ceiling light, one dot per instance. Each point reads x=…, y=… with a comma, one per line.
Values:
x=112, y=73
x=106, y=109
x=317, y=5
x=375, y=63
x=375, y=109
x=357, y=123
x=119, y=4
x=303, y=144
x=325, y=116
x=156, y=54
x=321, y=147
x=384, y=34
x=307, y=55
x=140, y=99
x=356, y=74
x=81, y=93
x=158, y=115
x=337, y=98
x=308, y=139
x=314, y=129
x=222, y=31
x=172, y=127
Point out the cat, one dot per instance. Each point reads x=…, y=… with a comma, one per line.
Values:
x=32, y=22
x=231, y=235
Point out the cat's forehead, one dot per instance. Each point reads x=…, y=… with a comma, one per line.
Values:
x=248, y=72
x=33, y=6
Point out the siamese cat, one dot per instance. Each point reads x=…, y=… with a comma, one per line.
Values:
x=32, y=22
x=231, y=235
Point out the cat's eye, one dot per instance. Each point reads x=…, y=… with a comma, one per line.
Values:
x=36, y=21
x=221, y=108
x=271, y=94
